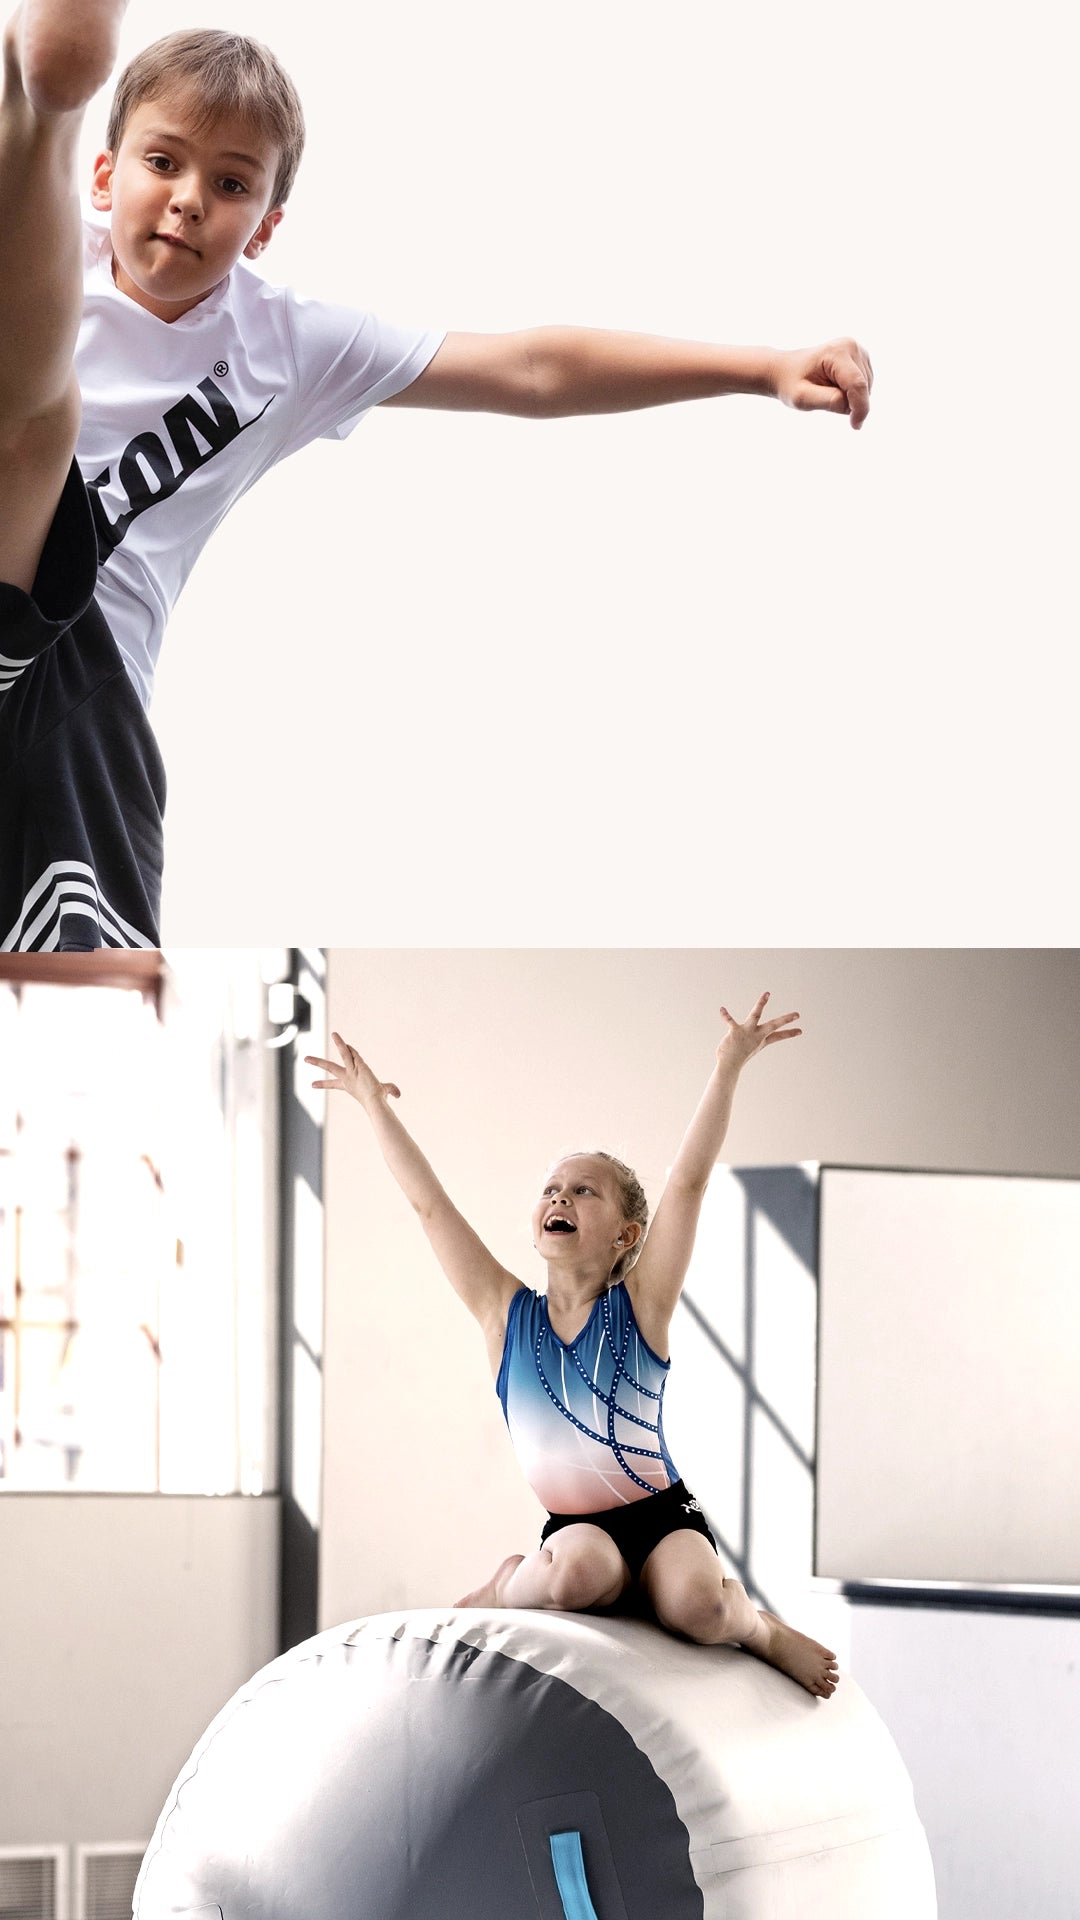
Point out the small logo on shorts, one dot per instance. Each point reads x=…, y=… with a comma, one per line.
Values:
x=221, y=368
x=691, y=1506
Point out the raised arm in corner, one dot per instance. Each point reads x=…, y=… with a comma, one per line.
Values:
x=656, y=1280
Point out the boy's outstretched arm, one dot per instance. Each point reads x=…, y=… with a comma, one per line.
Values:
x=656, y=1281
x=554, y=371
x=472, y=1271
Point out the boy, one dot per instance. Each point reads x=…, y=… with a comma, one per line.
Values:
x=145, y=388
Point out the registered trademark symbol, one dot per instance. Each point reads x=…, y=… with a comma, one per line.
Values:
x=221, y=368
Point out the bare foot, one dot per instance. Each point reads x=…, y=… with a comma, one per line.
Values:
x=806, y=1660
x=490, y=1594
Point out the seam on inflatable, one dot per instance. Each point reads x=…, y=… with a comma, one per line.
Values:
x=805, y=1853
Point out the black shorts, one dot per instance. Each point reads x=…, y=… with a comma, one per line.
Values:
x=82, y=787
x=640, y=1526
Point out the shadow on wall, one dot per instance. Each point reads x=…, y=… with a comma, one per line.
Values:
x=740, y=1419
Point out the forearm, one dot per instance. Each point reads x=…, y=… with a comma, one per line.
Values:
x=413, y=1173
x=700, y=1147
x=576, y=370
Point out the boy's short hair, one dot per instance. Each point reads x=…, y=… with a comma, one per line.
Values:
x=228, y=73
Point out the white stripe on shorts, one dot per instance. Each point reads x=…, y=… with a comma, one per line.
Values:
x=74, y=891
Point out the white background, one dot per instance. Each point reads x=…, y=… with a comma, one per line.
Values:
x=749, y=676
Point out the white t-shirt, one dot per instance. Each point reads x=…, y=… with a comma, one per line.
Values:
x=180, y=417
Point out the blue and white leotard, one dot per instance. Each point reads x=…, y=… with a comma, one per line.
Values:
x=584, y=1416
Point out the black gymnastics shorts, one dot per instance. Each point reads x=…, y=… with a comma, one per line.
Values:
x=82, y=787
x=641, y=1525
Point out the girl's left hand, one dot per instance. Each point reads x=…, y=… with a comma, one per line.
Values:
x=746, y=1037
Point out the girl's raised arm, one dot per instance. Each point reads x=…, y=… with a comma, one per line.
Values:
x=482, y=1283
x=655, y=1281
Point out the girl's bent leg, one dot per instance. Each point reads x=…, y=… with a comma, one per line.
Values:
x=690, y=1594
x=578, y=1568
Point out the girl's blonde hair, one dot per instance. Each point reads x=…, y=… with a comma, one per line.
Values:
x=228, y=73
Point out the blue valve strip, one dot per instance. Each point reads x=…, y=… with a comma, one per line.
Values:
x=566, y=1858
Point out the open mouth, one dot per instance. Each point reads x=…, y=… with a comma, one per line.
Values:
x=559, y=1224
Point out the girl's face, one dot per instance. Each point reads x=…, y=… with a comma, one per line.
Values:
x=579, y=1215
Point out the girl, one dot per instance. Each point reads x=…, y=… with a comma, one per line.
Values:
x=580, y=1369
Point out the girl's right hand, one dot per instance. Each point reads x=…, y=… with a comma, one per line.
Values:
x=352, y=1075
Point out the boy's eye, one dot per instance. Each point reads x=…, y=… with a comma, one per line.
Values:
x=159, y=161
x=234, y=187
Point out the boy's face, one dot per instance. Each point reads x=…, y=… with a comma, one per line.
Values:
x=185, y=204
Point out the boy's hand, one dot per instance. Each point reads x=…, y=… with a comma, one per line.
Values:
x=352, y=1075
x=746, y=1037
x=836, y=378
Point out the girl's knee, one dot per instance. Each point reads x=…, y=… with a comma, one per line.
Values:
x=709, y=1611
x=582, y=1578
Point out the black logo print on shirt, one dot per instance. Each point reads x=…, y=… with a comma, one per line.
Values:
x=151, y=470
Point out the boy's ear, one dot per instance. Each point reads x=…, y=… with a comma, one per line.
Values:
x=101, y=185
x=263, y=232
